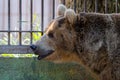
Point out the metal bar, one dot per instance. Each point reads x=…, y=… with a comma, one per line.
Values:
x=106, y=6
x=18, y=31
x=116, y=7
x=53, y=9
x=42, y=14
x=84, y=10
x=31, y=20
x=96, y=5
x=8, y=22
x=75, y=5
x=20, y=19
x=15, y=49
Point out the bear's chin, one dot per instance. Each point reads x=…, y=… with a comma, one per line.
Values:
x=44, y=56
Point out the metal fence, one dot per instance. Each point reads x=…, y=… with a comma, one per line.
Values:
x=20, y=31
x=19, y=49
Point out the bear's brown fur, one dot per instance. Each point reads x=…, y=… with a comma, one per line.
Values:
x=91, y=39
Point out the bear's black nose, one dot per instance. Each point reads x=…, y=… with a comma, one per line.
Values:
x=33, y=47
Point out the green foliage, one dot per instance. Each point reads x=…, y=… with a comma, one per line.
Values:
x=14, y=37
x=36, y=26
x=4, y=39
x=17, y=55
x=36, y=36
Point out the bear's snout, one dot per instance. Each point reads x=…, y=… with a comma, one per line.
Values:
x=42, y=53
x=33, y=47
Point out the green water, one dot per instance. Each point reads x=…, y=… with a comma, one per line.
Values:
x=32, y=69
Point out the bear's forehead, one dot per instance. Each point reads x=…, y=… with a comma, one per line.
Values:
x=55, y=23
x=52, y=25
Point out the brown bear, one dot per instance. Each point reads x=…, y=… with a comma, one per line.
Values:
x=91, y=39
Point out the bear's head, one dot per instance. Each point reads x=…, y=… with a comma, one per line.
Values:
x=59, y=36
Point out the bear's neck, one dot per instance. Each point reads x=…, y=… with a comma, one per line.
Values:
x=60, y=56
x=80, y=44
x=68, y=57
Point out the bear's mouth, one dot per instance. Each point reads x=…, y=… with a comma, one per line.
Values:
x=49, y=52
x=41, y=52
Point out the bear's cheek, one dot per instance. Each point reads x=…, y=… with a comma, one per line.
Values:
x=52, y=57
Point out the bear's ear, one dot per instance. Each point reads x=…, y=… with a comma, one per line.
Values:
x=61, y=10
x=70, y=15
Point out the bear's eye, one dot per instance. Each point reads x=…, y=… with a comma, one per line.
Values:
x=50, y=35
